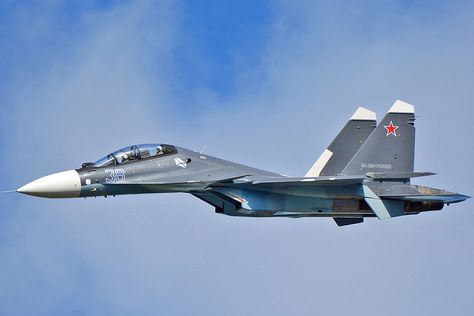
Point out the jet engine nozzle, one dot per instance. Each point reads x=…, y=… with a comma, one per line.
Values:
x=66, y=184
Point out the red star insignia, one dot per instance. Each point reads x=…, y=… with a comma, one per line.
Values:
x=391, y=129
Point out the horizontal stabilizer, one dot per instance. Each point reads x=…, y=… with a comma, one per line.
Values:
x=397, y=175
x=445, y=198
x=341, y=221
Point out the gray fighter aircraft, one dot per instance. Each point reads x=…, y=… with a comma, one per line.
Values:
x=365, y=172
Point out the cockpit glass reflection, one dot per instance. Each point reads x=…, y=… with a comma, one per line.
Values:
x=135, y=153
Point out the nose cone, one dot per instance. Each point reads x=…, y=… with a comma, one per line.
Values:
x=66, y=184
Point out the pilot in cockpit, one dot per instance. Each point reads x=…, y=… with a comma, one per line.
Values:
x=125, y=157
x=159, y=150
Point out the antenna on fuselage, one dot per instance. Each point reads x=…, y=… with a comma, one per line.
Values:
x=202, y=150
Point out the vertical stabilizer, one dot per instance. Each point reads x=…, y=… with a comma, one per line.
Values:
x=345, y=145
x=391, y=146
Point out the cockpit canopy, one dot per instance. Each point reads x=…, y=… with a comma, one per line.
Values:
x=134, y=153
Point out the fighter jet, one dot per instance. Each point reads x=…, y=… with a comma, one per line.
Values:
x=365, y=172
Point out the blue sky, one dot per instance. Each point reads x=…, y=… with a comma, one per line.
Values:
x=79, y=79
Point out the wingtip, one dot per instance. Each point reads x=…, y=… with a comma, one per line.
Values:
x=364, y=114
x=401, y=107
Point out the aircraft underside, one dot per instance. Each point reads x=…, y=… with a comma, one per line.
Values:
x=257, y=204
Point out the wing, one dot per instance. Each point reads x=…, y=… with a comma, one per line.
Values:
x=291, y=181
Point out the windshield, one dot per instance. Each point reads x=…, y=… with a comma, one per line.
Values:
x=134, y=153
